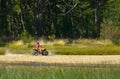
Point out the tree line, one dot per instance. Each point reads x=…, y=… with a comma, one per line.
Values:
x=58, y=18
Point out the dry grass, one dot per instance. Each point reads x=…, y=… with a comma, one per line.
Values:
x=93, y=42
x=63, y=42
x=69, y=47
x=17, y=43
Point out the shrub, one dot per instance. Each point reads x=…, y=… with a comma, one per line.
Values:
x=111, y=32
x=2, y=51
x=25, y=36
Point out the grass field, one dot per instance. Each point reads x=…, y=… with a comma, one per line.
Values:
x=95, y=50
x=58, y=72
x=64, y=47
x=76, y=47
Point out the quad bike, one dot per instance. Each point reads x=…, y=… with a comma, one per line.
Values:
x=43, y=51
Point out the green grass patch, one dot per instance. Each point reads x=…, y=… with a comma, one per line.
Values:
x=54, y=72
x=64, y=47
x=86, y=47
x=19, y=47
x=92, y=50
x=2, y=51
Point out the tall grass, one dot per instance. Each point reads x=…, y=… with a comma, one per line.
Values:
x=19, y=47
x=86, y=47
x=49, y=72
x=103, y=50
x=66, y=47
x=2, y=51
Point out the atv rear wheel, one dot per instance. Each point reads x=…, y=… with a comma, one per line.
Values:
x=35, y=53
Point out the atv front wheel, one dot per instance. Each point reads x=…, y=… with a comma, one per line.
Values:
x=45, y=53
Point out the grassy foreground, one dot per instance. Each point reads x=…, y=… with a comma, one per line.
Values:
x=65, y=47
x=49, y=72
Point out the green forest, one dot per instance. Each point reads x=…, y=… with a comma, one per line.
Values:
x=53, y=19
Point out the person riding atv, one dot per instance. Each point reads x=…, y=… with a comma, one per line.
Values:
x=39, y=50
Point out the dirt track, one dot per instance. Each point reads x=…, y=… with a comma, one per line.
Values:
x=61, y=59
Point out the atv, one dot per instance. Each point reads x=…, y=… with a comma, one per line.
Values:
x=43, y=51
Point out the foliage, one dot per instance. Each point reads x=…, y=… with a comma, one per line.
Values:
x=112, y=12
x=116, y=37
x=57, y=19
x=2, y=51
x=58, y=72
x=63, y=47
x=110, y=32
x=26, y=37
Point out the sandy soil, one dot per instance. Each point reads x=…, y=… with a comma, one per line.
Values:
x=61, y=59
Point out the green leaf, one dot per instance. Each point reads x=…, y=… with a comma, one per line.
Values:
x=17, y=8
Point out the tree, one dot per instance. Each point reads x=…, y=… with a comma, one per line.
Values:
x=59, y=18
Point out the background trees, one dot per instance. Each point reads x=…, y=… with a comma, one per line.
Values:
x=58, y=18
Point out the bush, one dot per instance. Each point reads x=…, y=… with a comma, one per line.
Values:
x=2, y=51
x=111, y=32
x=25, y=36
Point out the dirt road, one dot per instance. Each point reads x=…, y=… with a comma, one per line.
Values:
x=61, y=59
